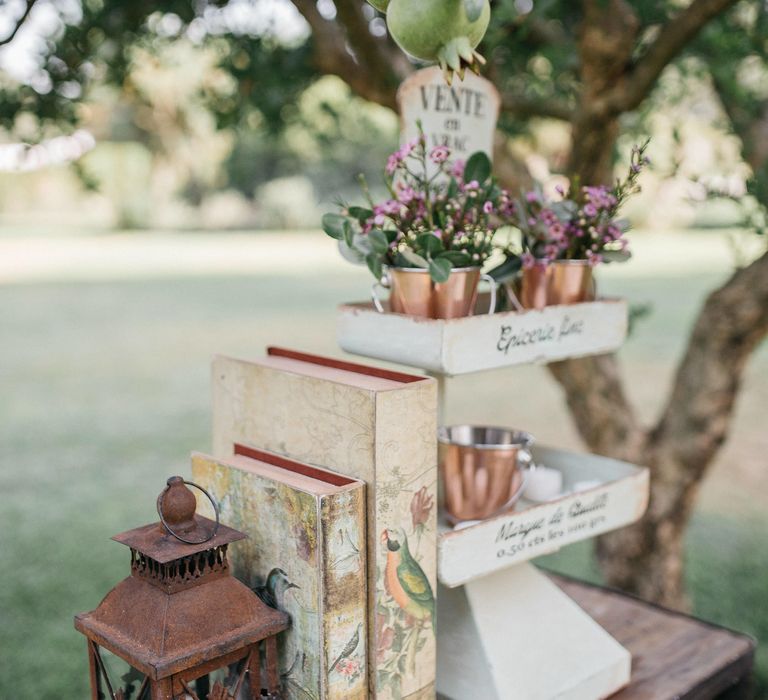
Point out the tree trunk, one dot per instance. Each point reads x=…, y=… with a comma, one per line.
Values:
x=646, y=558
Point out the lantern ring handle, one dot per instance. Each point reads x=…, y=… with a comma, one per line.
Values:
x=176, y=535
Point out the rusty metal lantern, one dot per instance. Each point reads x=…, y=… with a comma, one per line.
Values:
x=181, y=615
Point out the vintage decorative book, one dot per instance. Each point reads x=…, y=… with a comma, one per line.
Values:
x=374, y=425
x=305, y=554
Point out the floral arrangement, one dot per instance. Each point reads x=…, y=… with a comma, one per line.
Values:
x=441, y=214
x=581, y=225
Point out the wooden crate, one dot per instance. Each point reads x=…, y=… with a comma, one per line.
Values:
x=474, y=551
x=484, y=341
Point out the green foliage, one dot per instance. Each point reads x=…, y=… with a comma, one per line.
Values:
x=438, y=214
x=478, y=168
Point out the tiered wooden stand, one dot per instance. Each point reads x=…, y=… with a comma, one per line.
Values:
x=505, y=631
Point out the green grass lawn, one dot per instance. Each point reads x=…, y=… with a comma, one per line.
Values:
x=104, y=392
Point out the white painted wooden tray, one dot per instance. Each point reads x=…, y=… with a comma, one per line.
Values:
x=535, y=529
x=474, y=343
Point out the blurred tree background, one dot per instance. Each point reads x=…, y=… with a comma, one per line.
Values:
x=253, y=113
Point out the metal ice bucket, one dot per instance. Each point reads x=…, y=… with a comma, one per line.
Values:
x=483, y=469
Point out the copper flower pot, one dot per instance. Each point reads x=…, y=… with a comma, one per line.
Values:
x=557, y=282
x=413, y=292
x=482, y=468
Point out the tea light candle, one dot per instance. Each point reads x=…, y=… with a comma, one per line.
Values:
x=543, y=484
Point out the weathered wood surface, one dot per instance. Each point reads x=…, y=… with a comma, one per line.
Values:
x=536, y=529
x=673, y=655
x=514, y=635
x=481, y=342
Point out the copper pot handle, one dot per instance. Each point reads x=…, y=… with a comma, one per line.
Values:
x=526, y=465
x=492, y=302
x=513, y=298
x=383, y=283
x=525, y=460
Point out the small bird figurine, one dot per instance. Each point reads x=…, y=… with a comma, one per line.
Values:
x=405, y=580
x=273, y=591
x=349, y=647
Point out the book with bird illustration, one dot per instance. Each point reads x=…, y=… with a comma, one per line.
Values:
x=375, y=425
x=305, y=554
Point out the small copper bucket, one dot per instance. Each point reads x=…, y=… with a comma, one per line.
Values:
x=557, y=282
x=412, y=292
x=483, y=469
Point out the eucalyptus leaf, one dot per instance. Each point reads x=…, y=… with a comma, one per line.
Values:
x=333, y=225
x=457, y=258
x=622, y=224
x=351, y=254
x=430, y=243
x=478, y=168
x=610, y=256
x=414, y=259
x=391, y=235
x=348, y=233
x=508, y=270
x=374, y=265
x=474, y=8
x=379, y=241
x=440, y=269
x=360, y=213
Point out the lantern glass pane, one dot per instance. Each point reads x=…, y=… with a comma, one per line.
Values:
x=122, y=676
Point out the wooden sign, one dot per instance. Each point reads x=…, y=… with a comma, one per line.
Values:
x=461, y=116
x=469, y=553
x=480, y=342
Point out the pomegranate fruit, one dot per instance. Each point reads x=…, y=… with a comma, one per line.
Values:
x=445, y=31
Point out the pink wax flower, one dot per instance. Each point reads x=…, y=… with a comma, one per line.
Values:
x=590, y=209
x=594, y=258
x=488, y=207
x=390, y=206
x=409, y=147
x=531, y=196
x=528, y=261
x=405, y=194
x=457, y=170
x=557, y=229
x=439, y=154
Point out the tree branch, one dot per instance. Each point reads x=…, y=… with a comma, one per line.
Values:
x=525, y=107
x=671, y=40
x=368, y=71
x=596, y=399
x=731, y=324
x=19, y=22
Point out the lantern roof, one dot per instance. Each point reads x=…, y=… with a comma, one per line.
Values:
x=161, y=634
x=155, y=542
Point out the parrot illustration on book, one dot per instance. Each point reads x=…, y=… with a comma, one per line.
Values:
x=405, y=580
